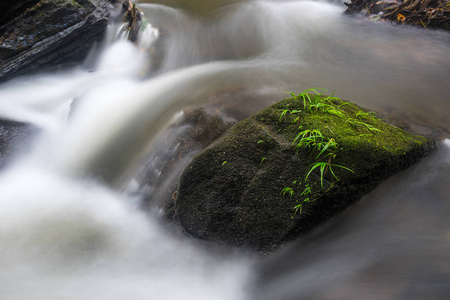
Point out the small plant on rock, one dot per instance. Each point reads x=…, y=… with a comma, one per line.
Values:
x=284, y=112
x=314, y=141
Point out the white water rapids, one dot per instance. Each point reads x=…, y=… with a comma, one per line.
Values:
x=67, y=234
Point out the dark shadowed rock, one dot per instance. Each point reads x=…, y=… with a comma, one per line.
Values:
x=14, y=136
x=161, y=169
x=50, y=33
x=232, y=192
x=13, y=8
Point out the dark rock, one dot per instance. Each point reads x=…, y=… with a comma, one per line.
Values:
x=51, y=33
x=14, y=137
x=13, y=8
x=231, y=193
x=172, y=152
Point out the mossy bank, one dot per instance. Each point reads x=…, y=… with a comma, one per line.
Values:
x=242, y=190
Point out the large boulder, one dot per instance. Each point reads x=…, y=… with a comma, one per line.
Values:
x=255, y=188
x=50, y=33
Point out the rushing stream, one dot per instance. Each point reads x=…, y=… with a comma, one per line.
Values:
x=70, y=223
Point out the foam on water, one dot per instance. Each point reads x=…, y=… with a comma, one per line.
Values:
x=63, y=238
x=69, y=237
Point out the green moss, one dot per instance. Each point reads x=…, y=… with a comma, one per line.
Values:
x=366, y=142
x=390, y=139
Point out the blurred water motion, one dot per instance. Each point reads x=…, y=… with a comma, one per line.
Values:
x=69, y=231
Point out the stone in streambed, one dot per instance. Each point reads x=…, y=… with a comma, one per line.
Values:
x=231, y=192
x=15, y=137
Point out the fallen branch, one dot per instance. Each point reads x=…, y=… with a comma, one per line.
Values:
x=424, y=13
x=133, y=18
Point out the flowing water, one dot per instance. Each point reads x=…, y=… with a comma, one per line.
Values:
x=71, y=228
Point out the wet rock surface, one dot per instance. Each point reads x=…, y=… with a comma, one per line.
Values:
x=13, y=8
x=14, y=137
x=158, y=177
x=50, y=33
x=231, y=193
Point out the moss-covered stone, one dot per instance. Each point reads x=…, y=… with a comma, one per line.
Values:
x=231, y=192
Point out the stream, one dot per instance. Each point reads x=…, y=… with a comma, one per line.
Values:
x=71, y=223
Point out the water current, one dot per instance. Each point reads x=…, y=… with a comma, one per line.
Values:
x=71, y=229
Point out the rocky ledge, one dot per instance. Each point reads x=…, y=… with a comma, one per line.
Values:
x=284, y=171
x=35, y=35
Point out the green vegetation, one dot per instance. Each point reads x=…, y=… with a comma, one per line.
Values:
x=323, y=167
x=287, y=111
x=323, y=147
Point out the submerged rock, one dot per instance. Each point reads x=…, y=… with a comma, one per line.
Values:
x=50, y=33
x=242, y=190
x=162, y=167
x=14, y=137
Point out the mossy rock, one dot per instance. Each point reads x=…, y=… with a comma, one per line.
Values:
x=232, y=192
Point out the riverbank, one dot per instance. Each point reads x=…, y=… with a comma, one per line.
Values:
x=431, y=14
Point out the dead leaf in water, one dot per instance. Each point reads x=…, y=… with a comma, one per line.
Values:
x=401, y=18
